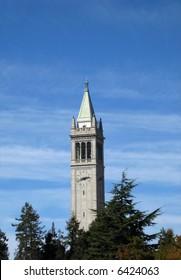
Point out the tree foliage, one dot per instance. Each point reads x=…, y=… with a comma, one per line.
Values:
x=29, y=234
x=137, y=249
x=118, y=232
x=121, y=226
x=53, y=248
x=169, y=246
x=76, y=241
x=4, y=254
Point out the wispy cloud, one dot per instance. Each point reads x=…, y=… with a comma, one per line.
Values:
x=132, y=84
x=170, y=219
x=110, y=11
x=52, y=204
x=168, y=201
x=145, y=120
x=33, y=143
x=150, y=162
x=156, y=162
x=114, y=12
x=33, y=85
x=25, y=85
x=44, y=197
x=35, y=126
x=34, y=163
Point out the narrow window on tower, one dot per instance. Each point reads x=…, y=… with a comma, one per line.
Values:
x=83, y=151
x=83, y=214
x=89, y=151
x=77, y=151
x=100, y=152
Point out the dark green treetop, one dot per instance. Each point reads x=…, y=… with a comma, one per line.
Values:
x=29, y=234
x=119, y=224
x=53, y=248
x=4, y=254
x=76, y=241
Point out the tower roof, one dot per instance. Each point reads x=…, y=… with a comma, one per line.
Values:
x=86, y=109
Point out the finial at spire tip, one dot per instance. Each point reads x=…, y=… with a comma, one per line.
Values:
x=86, y=85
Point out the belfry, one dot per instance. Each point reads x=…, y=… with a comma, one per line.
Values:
x=87, y=163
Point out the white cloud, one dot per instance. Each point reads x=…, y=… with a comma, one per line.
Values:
x=23, y=85
x=118, y=12
x=145, y=120
x=35, y=144
x=34, y=163
x=22, y=79
x=41, y=198
x=36, y=127
x=149, y=161
x=160, y=86
x=170, y=219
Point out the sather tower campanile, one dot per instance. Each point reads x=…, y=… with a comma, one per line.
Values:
x=87, y=163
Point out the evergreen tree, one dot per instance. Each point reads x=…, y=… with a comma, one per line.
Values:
x=4, y=254
x=29, y=234
x=176, y=253
x=49, y=247
x=53, y=248
x=60, y=246
x=169, y=246
x=120, y=224
x=75, y=241
x=137, y=249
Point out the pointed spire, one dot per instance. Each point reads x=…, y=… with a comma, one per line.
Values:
x=86, y=110
x=93, y=121
x=86, y=86
x=100, y=125
x=73, y=123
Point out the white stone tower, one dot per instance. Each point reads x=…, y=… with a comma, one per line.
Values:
x=87, y=163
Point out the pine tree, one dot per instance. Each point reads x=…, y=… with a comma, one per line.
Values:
x=60, y=246
x=75, y=241
x=53, y=248
x=169, y=246
x=117, y=226
x=137, y=249
x=29, y=234
x=4, y=254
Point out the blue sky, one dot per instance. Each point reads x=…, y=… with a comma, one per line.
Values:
x=130, y=53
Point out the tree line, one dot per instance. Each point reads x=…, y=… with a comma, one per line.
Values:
x=118, y=232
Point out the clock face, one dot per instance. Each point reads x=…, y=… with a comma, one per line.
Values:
x=83, y=176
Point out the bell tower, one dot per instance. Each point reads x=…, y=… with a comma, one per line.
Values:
x=87, y=163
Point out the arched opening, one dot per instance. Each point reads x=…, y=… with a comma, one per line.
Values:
x=89, y=150
x=100, y=151
x=77, y=151
x=83, y=151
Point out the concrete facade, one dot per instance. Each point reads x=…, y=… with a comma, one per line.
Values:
x=87, y=163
